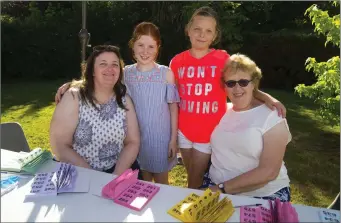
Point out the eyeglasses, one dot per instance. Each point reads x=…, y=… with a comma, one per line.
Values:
x=241, y=82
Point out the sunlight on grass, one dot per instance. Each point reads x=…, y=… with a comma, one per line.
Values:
x=178, y=176
x=312, y=115
x=312, y=194
x=312, y=157
x=36, y=125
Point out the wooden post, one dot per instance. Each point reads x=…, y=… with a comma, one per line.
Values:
x=83, y=34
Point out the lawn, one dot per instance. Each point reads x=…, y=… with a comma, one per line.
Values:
x=312, y=158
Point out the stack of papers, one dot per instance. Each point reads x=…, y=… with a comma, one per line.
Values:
x=205, y=208
x=66, y=178
x=27, y=162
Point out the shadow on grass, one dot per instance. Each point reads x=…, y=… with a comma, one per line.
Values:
x=313, y=156
x=36, y=95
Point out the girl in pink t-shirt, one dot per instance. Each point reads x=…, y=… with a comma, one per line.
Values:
x=203, y=99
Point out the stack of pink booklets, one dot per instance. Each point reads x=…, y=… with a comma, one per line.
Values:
x=130, y=192
x=279, y=212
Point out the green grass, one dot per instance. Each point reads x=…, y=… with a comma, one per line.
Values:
x=312, y=158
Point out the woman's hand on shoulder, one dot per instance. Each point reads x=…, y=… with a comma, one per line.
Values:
x=71, y=95
x=62, y=89
x=66, y=110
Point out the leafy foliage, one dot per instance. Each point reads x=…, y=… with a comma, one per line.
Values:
x=40, y=39
x=325, y=24
x=326, y=90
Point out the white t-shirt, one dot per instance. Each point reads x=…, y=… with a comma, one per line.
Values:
x=237, y=144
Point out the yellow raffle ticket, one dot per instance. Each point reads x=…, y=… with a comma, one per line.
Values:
x=205, y=208
x=177, y=210
x=202, y=205
x=221, y=212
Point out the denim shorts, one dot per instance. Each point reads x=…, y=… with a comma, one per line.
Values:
x=283, y=194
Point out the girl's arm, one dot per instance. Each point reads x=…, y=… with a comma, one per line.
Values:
x=173, y=108
x=271, y=102
x=131, y=142
x=62, y=129
x=275, y=141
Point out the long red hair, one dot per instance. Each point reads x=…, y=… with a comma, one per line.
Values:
x=147, y=29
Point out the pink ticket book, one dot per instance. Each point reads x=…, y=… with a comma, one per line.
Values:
x=130, y=192
x=255, y=214
x=279, y=212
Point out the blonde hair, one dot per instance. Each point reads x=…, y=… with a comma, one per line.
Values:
x=206, y=12
x=240, y=62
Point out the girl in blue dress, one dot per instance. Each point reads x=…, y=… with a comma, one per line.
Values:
x=155, y=97
x=152, y=89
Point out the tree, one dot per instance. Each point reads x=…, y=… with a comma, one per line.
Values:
x=326, y=90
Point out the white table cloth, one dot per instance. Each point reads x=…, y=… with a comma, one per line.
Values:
x=87, y=207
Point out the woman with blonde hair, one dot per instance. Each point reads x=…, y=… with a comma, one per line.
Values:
x=249, y=143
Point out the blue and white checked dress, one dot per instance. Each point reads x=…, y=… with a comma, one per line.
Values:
x=151, y=94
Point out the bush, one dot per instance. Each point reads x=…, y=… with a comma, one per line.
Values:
x=282, y=55
x=40, y=46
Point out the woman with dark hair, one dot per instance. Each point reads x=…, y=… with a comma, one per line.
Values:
x=155, y=96
x=95, y=125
